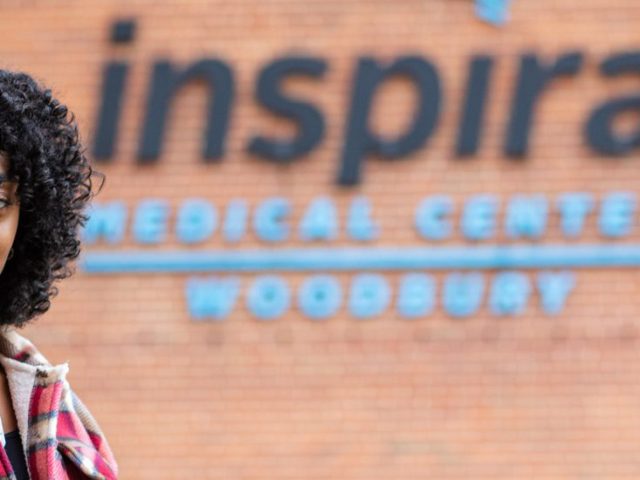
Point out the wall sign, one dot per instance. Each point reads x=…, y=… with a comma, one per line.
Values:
x=535, y=76
x=458, y=279
x=479, y=271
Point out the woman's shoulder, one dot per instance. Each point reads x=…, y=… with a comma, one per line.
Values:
x=41, y=394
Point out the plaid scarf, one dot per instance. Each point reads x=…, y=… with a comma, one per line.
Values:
x=60, y=437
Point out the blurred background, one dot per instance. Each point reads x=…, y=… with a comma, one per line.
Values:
x=351, y=239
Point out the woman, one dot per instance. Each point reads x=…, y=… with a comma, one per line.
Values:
x=45, y=183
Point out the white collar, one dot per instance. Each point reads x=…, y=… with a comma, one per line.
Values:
x=22, y=363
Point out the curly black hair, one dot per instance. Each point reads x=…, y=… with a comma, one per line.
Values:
x=40, y=139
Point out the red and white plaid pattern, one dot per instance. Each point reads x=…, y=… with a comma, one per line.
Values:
x=62, y=440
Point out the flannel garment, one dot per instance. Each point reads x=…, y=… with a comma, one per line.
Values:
x=60, y=437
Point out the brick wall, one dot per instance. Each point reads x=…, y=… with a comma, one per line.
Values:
x=528, y=396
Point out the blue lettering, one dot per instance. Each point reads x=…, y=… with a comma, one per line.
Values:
x=360, y=226
x=479, y=217
x=574, y=207
x=268, y=297
x=431, y=216
x=526, y=216
x=616, y=216
x=554, y=289
x=150, y=222
x=417, y=295
x=211, y=297
x=197, y=220
x=370, y=295
x=268, y=219
x=319, y=221
x=463, y=293
x=108, y=220
x=235, y=222
x=509, y=293
x=320, y=297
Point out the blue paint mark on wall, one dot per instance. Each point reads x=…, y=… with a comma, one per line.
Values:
x=493, y=11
